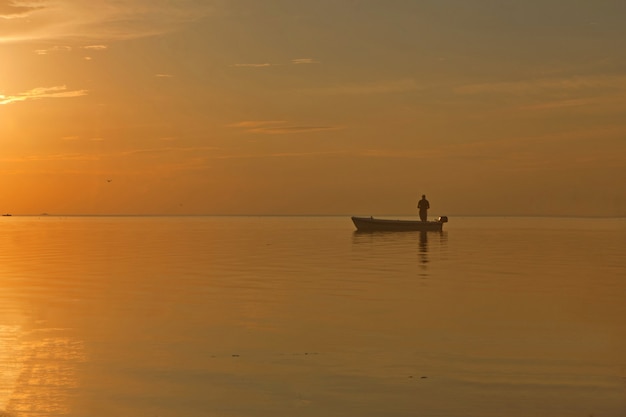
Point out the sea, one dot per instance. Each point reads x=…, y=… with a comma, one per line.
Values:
x=266, y=316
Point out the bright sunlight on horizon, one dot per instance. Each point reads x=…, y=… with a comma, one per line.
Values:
x=300, y=107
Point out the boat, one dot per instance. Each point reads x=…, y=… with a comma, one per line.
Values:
x=370, y=224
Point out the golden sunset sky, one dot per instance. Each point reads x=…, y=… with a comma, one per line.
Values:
x=313, y=107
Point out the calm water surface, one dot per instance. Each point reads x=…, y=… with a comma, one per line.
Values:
x=301, y=316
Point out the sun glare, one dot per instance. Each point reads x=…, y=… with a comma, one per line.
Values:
x=10, y=362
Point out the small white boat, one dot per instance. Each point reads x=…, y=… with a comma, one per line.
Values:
x=370, y=224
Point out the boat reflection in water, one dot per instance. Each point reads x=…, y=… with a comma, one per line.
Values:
x=423, y=249
x=393, y=248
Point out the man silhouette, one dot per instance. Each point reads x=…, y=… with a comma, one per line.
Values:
x=423, y=205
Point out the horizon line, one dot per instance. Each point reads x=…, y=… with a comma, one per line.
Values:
x=621, y=216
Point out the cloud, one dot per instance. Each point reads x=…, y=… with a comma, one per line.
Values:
x=278, y=127
x=191, y=158
x=257, y=155
x=96, y=20
x=54, y=49
x=57, y=157
x=10, y=9
x=163, y=75
x=296, y=61
x=96, y=47
x=264, y=65
x=523, y=152
x=42, y=92
x=166, y=150
x=559, y=104
x=281, y=130
x=590, y=94
x=129, y=153
x=378, y=87
x=301, y=61
x=257, y=123
x=539, y=86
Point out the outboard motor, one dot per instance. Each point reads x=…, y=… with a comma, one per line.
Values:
x=442, y=219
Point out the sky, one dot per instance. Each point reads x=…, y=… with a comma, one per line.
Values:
x=237, y=107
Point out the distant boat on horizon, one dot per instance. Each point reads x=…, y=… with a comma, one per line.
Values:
x=6, y=215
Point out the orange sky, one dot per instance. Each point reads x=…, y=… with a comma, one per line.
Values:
x=312, y=107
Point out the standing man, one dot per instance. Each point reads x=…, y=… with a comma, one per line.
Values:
x=423, y=205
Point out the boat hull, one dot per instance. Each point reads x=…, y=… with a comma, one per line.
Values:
x=370, y=224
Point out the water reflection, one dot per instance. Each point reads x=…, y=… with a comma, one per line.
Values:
x=9, y=367
x=44, y=375
x=423, y=253
x=392, y=246
x=39, y=362
x=38, y=368
x=197, y=316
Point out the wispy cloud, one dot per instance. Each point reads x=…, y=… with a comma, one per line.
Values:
x=10, y=9
x=558, y=104
x=42, y=92
x=56, y=157
x=279, y=127
x=589, y=94
x=521, y=152
x=258, y=155
x=377, y=87
x=167, y=150
x=295, y=61
x=96, y=47
x=251, y=124
x=538, y=86
x=84, y=156
x=102, y=20
x=54, y=49
x=304, y=61
x=163, y=75
x=281, y=130
x=78, y=138
x=264, y=65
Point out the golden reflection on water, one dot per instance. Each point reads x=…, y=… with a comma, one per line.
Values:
x=10, y=368
x=259, y=317
x=38, y=363
x=38, y=370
